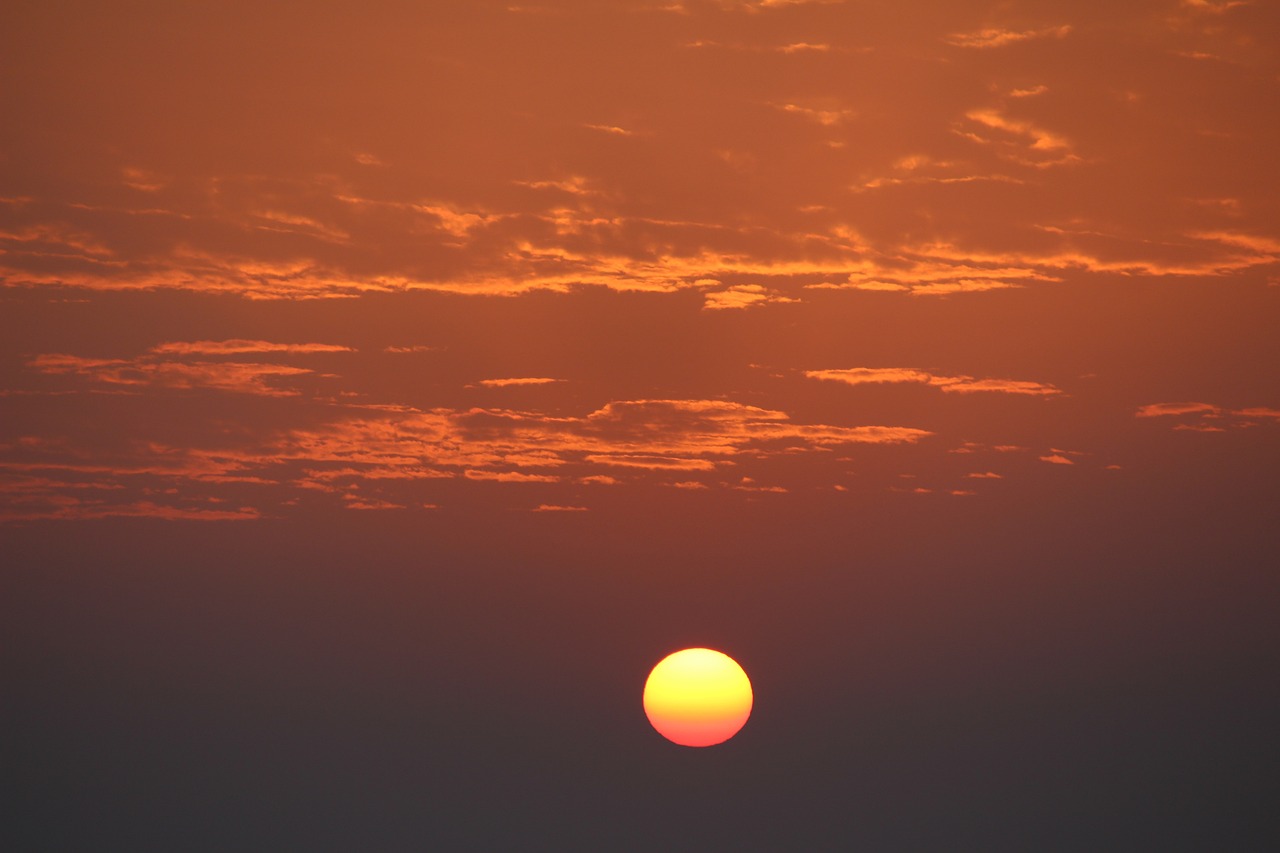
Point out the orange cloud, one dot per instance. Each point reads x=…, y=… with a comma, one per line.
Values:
x=1258, y=412
x=1157, y=410
x=511, y=477
x=403, y=457
x=237, y=347
x=611, y=129
x=238, y=377
x=999, y=37
x=1018, y=139
x=364, y=503
x=524, y=380
x=804, y=47
x=653, y=463
x=828, y=117
x=68, y=508
x=951, y=384
x=1206, y=417
x=743, y=296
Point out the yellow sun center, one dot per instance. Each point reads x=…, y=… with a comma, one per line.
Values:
x=697, y=697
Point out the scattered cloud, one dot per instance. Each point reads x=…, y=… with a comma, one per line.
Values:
x=1019, y=140
x=1158, y=410
x=1214, y=7
x=825, y=116
x=652, y=463
x=951, y=384
x=765, y=5
x=365, y=503
x=1056, y=459
x=516, y=381
x=410, y=349
x=743, y=296
x=1207, y=417
x=511, y=477
x=240, y=347
x=999, y=36
x=240, y=377
x=610, y=129
x=396, y=458
x=142, y=180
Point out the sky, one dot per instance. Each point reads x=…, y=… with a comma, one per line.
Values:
x=387, y=387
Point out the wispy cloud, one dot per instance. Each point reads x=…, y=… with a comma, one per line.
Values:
x=1056, y=459
x=517, y=381
x=828, y=116
x=240, y=377
x=1020, y=140
x=1207, y=417
x=804, y=47
x=368, y=459
x=950, y=384
x=610, y=129
x=1000, y=36
x=239, y=347
x=743, y=296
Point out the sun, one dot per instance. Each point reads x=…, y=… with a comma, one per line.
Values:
x=697, y=697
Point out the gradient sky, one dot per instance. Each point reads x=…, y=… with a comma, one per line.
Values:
x=386, y=387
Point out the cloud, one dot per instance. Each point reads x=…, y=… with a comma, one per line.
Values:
x=142, y=180
x=764, y=5
x=652, y=463
x=999, y=37
x=1207, y=417
x=1256, y=245
x=522, y=380
x=61, y=506
x=558, y=508
x=1159, y=410
x=237, y=377
x=610, y=129
x=950, y=384
x=1018, y=139
x=1258, y=412
x=1056, y=459
x=364, y=503
x=827, y=117
x=1214, y=7
x=743, y=296
x=571, y=232
x=238, y=346
x=379, y=458
x=511, y=477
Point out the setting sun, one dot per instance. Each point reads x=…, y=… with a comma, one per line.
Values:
x=697, y=697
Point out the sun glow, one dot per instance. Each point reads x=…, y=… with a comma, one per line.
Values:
x=697, y=697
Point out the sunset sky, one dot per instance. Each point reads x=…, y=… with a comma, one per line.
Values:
x=386, y=387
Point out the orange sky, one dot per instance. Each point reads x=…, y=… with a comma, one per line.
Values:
x=576, y=247
x=831, y=272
